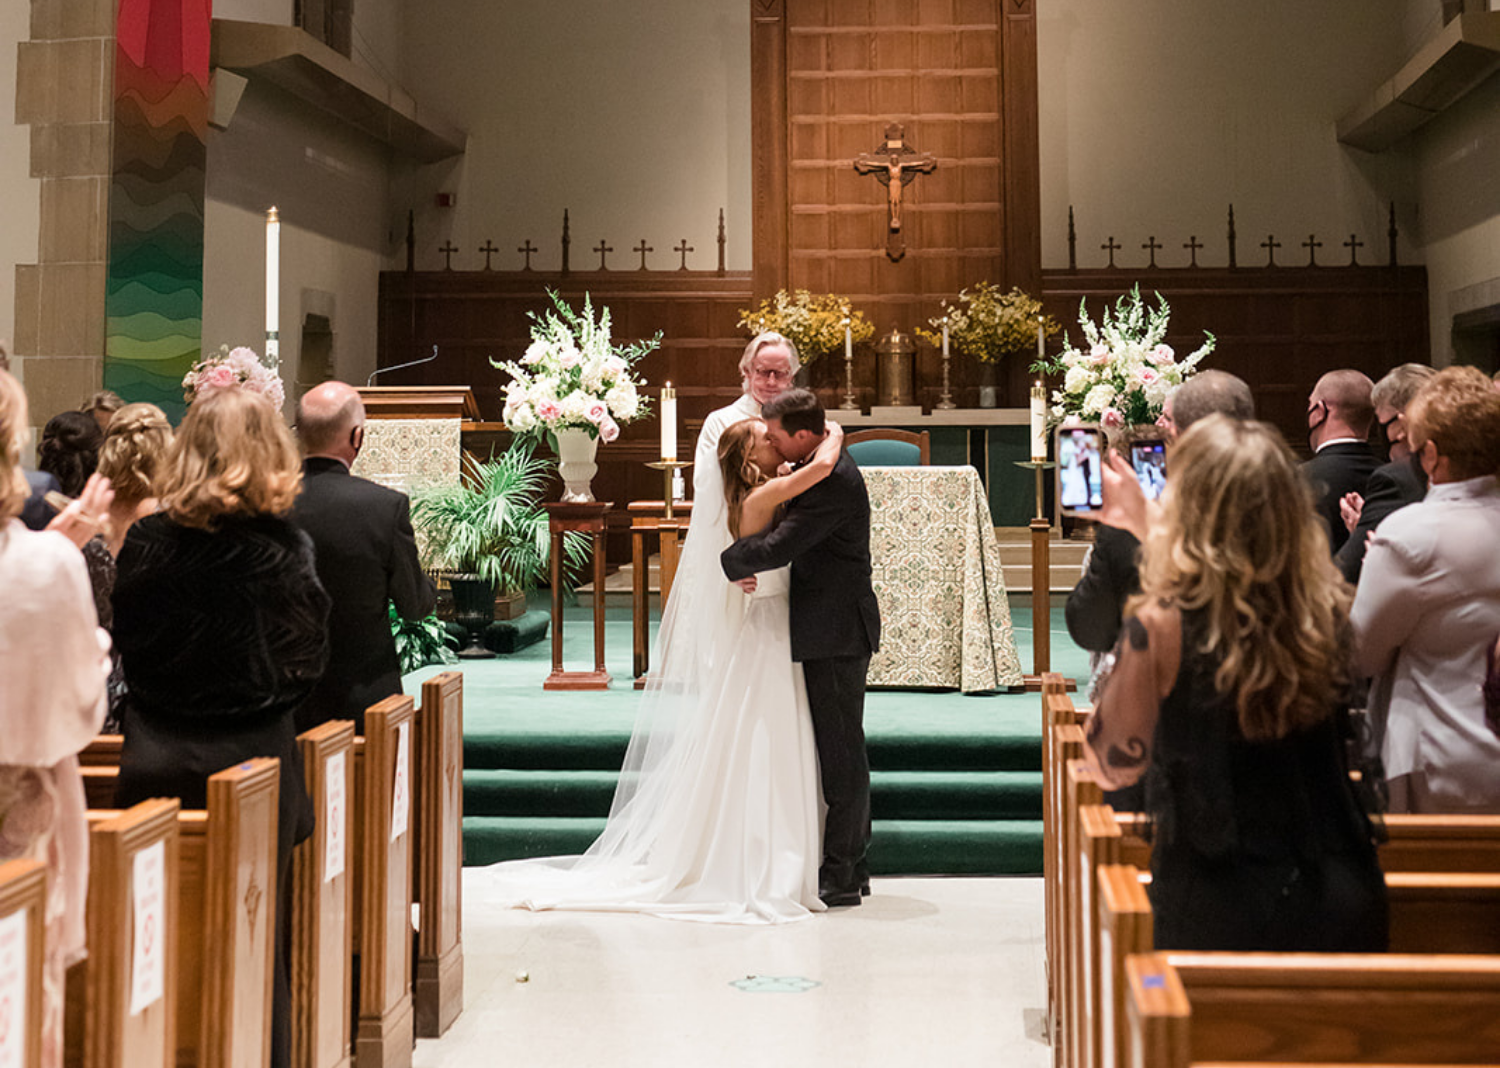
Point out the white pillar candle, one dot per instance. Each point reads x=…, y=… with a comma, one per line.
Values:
x=848, y=341
x=668, y=422
x=945, y=339
x=1041, y=343
x=273, y=287
x=1038, y=422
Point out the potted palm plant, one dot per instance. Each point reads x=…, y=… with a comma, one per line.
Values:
x=490, y=533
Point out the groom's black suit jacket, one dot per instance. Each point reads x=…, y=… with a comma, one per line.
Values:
x=825, y=536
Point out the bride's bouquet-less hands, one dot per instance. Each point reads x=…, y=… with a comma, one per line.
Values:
x=1123, y=376
x=572, y=377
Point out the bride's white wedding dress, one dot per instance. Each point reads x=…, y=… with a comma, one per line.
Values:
x=721, y=822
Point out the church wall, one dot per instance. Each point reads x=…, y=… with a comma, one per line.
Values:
x=635, y=117
x=1157, y=115
x=1457, y=156
x=19, y=192
x=330, y=186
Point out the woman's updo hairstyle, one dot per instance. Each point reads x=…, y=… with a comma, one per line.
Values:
x=69, y=449
x=134, y=450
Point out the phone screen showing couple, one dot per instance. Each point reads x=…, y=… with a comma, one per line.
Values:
x=1080, y=469
x=1149, y=460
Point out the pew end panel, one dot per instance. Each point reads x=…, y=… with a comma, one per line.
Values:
x=438, y=983
x=23, y=952
x=385, y=1029
x=1125, y=928
x=322, y=967
x=240, y=900
x=1158, y=1015
x=103, y=751
x=113, y=1037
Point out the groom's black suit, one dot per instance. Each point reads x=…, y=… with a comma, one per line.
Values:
x=835, y=626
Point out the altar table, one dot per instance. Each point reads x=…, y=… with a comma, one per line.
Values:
x=945, y=620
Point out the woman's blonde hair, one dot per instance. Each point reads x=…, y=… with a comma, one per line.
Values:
x=741, y=473
x=13, y=487
x=135, y=450
x=1239, y=540
x=233, y=456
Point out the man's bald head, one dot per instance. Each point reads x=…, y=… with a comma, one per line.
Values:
x=330, y=421
x=1209, y=392
x=1346, y=396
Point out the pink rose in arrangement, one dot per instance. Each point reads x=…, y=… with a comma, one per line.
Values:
x=1112, y=418
x=549, y=410
x=1148, y=375
x=1162, y=355
x=221, y=376
x=596, y=412
x=609, y=430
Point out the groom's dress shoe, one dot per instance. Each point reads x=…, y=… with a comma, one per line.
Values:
x=839, y=899
x=864, y=888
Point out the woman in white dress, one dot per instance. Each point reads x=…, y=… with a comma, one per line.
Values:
x=717, y=816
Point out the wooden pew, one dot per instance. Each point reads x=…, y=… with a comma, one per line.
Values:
x=322, y=906
x=383, y=859
x=438, y=984
x=1431, y=913
x=23, y=950
x=103, y=1032
x=1080, y=790
x=1308, y=1007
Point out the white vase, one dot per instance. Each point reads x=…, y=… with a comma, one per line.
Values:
x=575, y=462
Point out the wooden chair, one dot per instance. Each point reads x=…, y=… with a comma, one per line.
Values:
x=888, y=447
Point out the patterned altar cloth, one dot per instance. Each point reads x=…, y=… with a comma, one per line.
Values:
x=945, y=620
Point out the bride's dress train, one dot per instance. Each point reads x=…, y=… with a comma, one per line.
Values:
x=718, y=814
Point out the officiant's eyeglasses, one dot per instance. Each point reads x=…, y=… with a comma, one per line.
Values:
x=771, y=373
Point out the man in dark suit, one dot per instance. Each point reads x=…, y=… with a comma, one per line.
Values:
x=1398, y=483
x=835, y=627
x=366, y=556
x=1339, y=415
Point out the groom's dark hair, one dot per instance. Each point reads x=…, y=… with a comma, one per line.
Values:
x=798, y=409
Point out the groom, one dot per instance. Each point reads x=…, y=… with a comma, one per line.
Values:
x=835, y=626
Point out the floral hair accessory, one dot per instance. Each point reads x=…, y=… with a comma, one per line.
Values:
x=238, y=368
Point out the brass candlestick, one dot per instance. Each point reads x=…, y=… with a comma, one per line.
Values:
x=850, y=404
x=667, y=469
x=945, y=402
x=1041, y=580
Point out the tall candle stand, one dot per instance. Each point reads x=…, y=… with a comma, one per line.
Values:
x=945, y=402
x=850, y=404
x=1041, y=582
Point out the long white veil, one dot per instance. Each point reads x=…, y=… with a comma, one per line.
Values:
x=638, y=862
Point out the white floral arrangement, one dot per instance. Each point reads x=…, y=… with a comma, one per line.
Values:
x=1124, y=375
x=237, y=368
x=572, y=376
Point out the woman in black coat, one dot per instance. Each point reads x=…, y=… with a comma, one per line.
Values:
x=222, y=626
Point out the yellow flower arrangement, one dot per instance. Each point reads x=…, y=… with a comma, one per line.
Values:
x=989, y=325
x=814, y=322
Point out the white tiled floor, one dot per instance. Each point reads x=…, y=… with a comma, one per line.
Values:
x=926, y=972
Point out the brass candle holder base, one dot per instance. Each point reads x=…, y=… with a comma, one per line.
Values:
x=667, y=469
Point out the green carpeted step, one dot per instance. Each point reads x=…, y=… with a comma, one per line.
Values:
x=604, y=750
x=899, y=847
x=956, y=795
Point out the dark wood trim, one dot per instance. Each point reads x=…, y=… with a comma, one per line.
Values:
x=1021, y=217
x=770, y=199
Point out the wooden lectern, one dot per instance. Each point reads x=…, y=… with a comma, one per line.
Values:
x=413, y=434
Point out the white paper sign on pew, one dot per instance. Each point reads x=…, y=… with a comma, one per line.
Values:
x=13, y=973
x=401, y=794
x=333, y=820
x=149, y=898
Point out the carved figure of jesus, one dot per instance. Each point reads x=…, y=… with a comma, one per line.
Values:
x=894, y=174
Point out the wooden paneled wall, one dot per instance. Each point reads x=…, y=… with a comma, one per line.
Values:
x=960, y=76
x=1277, y=328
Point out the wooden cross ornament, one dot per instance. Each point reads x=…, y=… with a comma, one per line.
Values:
x=895, y=165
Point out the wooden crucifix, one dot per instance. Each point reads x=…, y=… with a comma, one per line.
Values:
x=895, y=165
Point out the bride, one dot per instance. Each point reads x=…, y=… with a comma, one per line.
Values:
x=717, y=814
